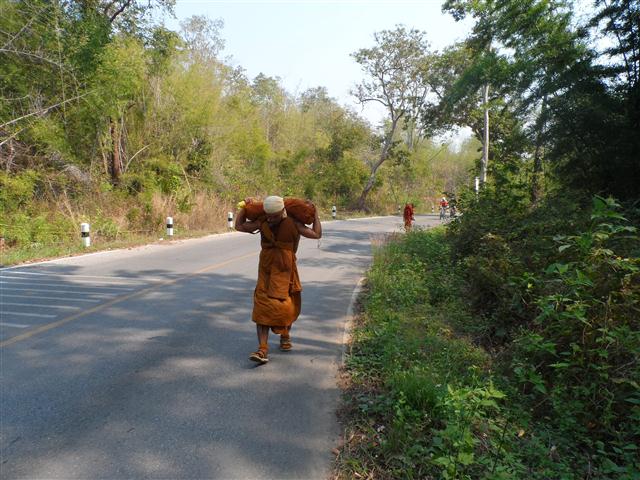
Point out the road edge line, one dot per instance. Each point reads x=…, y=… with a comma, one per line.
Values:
x=174, y=242
x=349, y=318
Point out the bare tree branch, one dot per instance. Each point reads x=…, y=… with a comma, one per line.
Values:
x=25, y=26
x=33, y=55
x=44, y=110
x=119, y=11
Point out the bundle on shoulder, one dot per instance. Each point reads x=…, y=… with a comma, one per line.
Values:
x=297, y=208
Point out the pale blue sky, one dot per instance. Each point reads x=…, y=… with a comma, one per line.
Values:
x=307, y=43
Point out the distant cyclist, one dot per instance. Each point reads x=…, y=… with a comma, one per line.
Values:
x=443, y=208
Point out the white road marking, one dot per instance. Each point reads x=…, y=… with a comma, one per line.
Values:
x=46, y=290
x=54, y=274
x=100, y=287
x=65, y=307
x=14, y=325
x=38, y=297
x=19, y=314
x=76, y=280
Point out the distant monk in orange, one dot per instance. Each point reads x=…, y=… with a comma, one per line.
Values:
x=408, y=216
x=276, y=299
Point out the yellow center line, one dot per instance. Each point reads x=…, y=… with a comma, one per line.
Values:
x=116, y=300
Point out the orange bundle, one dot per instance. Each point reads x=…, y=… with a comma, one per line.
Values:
x=297, y=208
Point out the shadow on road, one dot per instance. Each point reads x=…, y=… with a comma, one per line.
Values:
x=159, y=386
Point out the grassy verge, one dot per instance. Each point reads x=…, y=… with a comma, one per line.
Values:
x=40, y=251
x=423, y=400
x=417, y=390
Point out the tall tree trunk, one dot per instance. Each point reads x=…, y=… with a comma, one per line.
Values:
x=360, y=205
x=367, y=188
x=536, y=179
x=485, y=144
x=116, y=160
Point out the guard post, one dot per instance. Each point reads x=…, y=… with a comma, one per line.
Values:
x=84, y=233
x=169, y=226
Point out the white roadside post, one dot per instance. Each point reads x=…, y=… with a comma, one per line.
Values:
x=477, y=184
x=334, y=212
x=169, y=226
x=84, y=233
x=230, y=219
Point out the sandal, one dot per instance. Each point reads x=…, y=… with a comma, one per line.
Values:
x=259, y=356
x=285, y=343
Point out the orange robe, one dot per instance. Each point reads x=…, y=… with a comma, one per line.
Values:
x=408, y=216
x=276, y=299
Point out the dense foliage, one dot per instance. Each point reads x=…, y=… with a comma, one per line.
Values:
x=109, y=117
x=496, y=363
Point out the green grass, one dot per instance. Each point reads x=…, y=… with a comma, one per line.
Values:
x=36, y=251
x=423, y=400
x=417, y=389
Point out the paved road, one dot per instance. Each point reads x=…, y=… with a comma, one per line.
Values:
x=133, y=363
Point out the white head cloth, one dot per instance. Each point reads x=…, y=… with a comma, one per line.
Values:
x=273, y=204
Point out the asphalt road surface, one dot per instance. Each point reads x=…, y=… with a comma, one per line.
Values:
x=134, y=363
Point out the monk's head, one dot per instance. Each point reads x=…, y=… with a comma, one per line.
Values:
x=274, y=208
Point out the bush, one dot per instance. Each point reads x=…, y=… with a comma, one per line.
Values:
x=578, y=361
x=17, y=190
x=104, y=227
x=558, y=393
x=25, y=230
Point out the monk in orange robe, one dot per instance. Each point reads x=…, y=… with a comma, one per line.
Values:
x=276, y=299
x=408, y=216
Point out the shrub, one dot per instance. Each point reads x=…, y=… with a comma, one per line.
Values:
x=17, y=190
x=578, y=361
x=557, y=395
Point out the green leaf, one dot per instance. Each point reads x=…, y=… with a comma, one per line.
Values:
x=488, y=403
x=628, y=381
x=540, y=388
x=465, y=458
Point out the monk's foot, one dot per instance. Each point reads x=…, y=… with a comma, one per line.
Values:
x=259, y=356
x=285, y=343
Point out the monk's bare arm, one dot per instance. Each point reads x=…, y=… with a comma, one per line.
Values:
x=314, y=232
x=242, y=225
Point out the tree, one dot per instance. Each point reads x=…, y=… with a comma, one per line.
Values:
x=536, y=55
x=202, y=38
x=117, y=84
x=269, y=96
x=482, y=42
x=129, y=12
x=395, y=68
